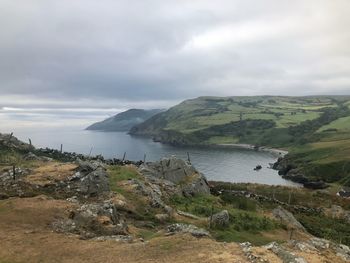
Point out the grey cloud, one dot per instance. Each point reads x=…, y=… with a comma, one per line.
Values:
x=153, y=50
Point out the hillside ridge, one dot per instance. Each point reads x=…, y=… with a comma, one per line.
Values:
x=308, y=127
x=124, y=121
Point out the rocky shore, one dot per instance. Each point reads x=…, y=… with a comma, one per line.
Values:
x=291, y=171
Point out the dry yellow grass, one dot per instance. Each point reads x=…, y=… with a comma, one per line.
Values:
x=50, y=172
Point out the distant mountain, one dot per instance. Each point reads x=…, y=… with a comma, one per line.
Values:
x=124, y=121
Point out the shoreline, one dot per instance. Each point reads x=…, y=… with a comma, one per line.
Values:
x=274, y=151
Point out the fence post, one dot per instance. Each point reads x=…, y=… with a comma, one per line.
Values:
x=90, y=151
x=144, y=158
x=30, y=142
x=211, y=216
x=61, y=147
x=291, y=233
x=188, y=158
x=14, y=172
x=124, y=156
x=9, y=140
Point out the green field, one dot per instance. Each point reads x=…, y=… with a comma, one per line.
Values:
x=341, y=124
x=205, y=112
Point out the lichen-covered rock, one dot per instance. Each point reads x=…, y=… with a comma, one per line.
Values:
x=197, y=184
x=285, y=255
x=320, y=243
x=185, y=228
x=117, y=238
x=32, y=157
x=303, y=246
x=176, y=175
x=90, y=179
x=93, y=220
x=288, y=218
x=220, y=219
x=342, y=251
x=172, y=169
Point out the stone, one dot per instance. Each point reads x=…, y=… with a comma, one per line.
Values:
x=304, y=246
x=90, y=179
x=117, y=238
x=221, y=219
x=338, y=212
x=172, y=169
x=162, y=218
x=185, y=214
x=173, y=173
x=320, y=243
x=93, y=220
x=288, y=218
x=195, y=186
x=186, y=228
x=342, y=251
x=32, y=157
x=285, y=255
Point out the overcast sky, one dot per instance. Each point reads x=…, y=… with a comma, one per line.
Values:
x=87, y=59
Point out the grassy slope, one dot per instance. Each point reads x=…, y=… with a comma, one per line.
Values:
x=224, y=110
x=204, y=112
x=314, y=129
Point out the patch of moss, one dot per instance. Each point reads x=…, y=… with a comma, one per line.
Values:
x=121, y=173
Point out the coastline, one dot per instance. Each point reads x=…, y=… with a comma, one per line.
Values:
x=274, y=151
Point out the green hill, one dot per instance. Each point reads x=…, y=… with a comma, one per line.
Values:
x=124, y=120
x=315, y=129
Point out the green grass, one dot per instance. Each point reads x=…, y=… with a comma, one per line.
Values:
x=246, y=224
x=319, y=225
x=298, y=196
x=9, y=157
x=341, y=124
x=291, y=120
x=232, y=235
x=120, y=173
x=222, y=140
x=200, y=205
x=334, y=229
x=203, y=112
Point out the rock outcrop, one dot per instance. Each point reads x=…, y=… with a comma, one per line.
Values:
x=93, y=220
x=90, y=179
x=11, y=142
x=177, y=175
x=287, y=218
x=290, y=171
